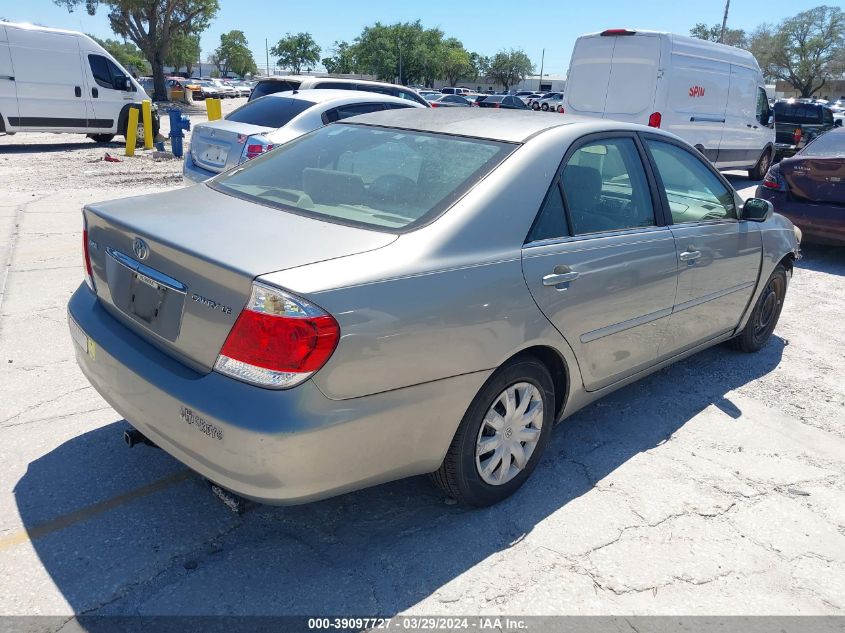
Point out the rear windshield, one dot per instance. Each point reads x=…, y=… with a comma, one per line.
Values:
x=378, y=178
x=264, y=88
x=830, y=144
x=797, y=113
x=270, y=111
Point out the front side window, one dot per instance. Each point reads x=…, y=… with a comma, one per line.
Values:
x=606, y=188
x=762, y=107
x=100, y=70
x=695, y=193
x=362, y=175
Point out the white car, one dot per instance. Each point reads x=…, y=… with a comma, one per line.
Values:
x=711, y=95
x=63, y=81
x=262, y=124
x=551, y=102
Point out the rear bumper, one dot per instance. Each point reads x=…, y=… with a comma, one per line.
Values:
x=192, y=173
x=785, y=149
x=819, y=223
x=279, y=447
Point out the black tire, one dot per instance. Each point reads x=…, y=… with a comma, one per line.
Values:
x=560, y=109
x=458, y=475
x=535, y=106
x=545, y=107
x=101, y=138
x=124, y=125
x=764, y=316
x=762, y=166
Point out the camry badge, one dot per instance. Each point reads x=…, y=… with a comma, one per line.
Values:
x=140, y=248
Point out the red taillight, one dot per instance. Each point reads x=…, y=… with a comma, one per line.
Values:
x=433, y=104
x=607, y=32
x=796, y=136
x=253, y=150
x=89, y=271
x=654, y=119
x=773, y=180
x=279, y=340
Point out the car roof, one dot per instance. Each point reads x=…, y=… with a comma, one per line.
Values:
x=346, y=80
x=321, y=95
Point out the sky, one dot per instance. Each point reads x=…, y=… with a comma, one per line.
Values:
x=484, y=26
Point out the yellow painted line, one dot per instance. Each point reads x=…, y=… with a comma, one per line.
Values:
x=83, y=514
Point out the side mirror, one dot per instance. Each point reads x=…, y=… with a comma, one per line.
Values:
x=771, y=122
x=757, y=210
x=123, y=83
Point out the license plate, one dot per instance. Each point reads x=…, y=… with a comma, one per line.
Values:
x=80, y=338
x=215, y=154
x=147, y=297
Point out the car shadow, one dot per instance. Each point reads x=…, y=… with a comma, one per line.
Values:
x=66, y=146
x=146, y=537
x=822, y=258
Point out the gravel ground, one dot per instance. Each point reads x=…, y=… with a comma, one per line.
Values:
x=715, y=486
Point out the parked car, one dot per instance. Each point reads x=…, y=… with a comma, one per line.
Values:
x=262, y=124
x=797, y=123
x=454, y=91
x=410, y=292
x=711, y=95
x=551, y=101
x=477, y=98
x=209, y=90
x=809, y=188
x=225, y=91
x=530, y=99
x=63, y=81
x=506, y=102
x=269, y=85
x=448, y=101
x=185, y=86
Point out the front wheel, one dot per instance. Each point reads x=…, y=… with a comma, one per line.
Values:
x=502, y=435
x=764, y=317
x=762, y=166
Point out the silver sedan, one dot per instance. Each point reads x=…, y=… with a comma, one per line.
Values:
x=415, y=291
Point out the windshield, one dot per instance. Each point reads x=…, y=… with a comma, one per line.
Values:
x=270, y=111
x=830, y=144
x=378, y=178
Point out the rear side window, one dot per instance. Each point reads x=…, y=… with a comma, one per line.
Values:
x=270, y=111
x=333, y=85
x=551, y=221
x=695, y=193
x=606, y=188
x=362, y=175
x=264, y=88
x=354, y=109
x=830, y=144
x=797, y=113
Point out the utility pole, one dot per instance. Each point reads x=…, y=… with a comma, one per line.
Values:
x=267, y=51
x=399, y=45
x=725, y=21
x=542, y=63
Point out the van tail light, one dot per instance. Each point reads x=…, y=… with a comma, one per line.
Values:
x=796, y=136
x=255, y=147
x=654, y=119
x=609, y=32
x=89, y=272
x=278, y=341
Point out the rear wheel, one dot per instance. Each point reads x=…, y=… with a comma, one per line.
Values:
x=762, y=166
x=535, y=106
x=545, y=107
x=502, y=435
x=764, y=317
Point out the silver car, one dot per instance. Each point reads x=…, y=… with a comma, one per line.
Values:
x=415, y=291
x=261, y=124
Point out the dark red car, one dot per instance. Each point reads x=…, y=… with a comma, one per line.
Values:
x=809, y=188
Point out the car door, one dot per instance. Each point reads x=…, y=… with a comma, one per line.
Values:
x=105, y=86
x=719, y=256
x=600, y=261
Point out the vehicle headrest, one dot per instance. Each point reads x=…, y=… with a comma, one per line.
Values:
x=326, y=186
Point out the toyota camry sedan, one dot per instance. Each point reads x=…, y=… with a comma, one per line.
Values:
x=416, y=291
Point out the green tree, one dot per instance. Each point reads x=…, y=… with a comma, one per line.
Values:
x=342, y=60
x=509, y=67
x=297, y=52
x=184, y=51
x=153, y=25
x=806, y=50
x=733, y=37
x=129, y=56
x=457, y=62
x=233, y=55
x=480, y=65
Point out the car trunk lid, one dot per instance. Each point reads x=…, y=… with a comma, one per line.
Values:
x=219, y=145
x=177, y=267
x=816, y=179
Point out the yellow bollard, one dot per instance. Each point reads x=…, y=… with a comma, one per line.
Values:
x=146, y=108
x=131, y=131
x=214, y=108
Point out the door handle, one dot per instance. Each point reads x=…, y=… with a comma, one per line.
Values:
x=77, y=91
x=95, y=93
x=689, y=256
x=560, y=278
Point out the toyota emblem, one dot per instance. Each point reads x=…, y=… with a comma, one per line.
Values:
x=140, y=248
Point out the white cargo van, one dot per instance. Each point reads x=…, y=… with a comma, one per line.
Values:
x=63, y=81
x=711, y=95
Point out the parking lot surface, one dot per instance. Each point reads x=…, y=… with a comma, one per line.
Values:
x=715, y=486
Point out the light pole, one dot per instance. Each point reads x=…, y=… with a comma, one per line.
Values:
x=542, y=63
x=267, y=51
x=725, y=21
x=399, y=46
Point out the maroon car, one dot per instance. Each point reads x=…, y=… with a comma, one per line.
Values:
x=809, y=188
